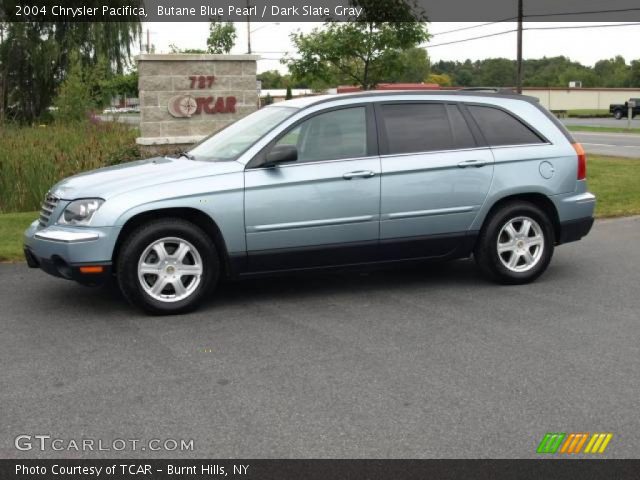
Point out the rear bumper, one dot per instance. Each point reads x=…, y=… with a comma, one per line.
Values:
x=574, y=230
x=576, y=211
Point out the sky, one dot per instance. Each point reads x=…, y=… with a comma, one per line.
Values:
x=271, y=41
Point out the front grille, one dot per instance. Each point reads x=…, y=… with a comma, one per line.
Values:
x=48, y=206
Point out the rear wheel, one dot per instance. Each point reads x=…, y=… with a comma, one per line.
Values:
x=167, y=266
x=617, y=114
x=516, y=244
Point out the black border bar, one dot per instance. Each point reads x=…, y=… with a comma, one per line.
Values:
x=317, y=10
x=579, y=469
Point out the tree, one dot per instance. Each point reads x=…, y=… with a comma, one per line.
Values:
x=222, y=36
x=408, y=66
x=441, y=79
x=634, y=74
x=363, y=52
x=498, y=72
x=271, y=79
x=613, y=72
x=74, y=99
x=289, y=94
x=124, y=84
x=175, y=49
x=32, y=77
x=541, y=72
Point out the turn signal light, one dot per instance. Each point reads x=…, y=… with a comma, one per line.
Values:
x=582, y=161
x=96, y=269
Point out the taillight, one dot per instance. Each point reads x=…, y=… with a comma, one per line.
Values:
x=582, y=161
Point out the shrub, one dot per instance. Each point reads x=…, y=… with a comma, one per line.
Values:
x=74, y=97
x=32, y=159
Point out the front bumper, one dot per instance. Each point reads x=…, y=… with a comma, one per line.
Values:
x=67, y=252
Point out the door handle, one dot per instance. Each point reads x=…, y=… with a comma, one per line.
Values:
x=472, y=163
x=359, y=174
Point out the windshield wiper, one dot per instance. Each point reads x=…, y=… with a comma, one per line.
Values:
x=182, y=154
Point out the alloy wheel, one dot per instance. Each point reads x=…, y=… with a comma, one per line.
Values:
x=520, y=244
x=170, y=269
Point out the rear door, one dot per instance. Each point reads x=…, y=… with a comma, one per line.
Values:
x=435, y=177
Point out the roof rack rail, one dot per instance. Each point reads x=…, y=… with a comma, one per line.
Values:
x=503, y=90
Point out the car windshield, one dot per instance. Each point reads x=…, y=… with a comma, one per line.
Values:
x=232, y=141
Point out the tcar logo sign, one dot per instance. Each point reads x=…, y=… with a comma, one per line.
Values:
x=182, y=106
x=186, y=105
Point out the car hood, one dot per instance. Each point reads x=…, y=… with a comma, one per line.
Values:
x=111, y=181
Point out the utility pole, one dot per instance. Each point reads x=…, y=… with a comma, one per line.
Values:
x=248, y=30
x=519, y=73
x=3, y=76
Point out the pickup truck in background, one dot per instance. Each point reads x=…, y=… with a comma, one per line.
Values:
x=620, y=110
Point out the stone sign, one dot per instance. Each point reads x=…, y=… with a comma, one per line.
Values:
x=184, y=97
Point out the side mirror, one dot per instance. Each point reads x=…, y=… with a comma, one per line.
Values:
x=281, y=154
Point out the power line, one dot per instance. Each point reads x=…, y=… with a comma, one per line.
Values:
x=474, y=26
x=533, y=28
x=559, y=14
x=471, y=38
x=569, y=27
x=537, y=15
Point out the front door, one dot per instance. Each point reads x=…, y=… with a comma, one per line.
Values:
x=323, y=208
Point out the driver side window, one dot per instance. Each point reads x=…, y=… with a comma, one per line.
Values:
x=329, y=136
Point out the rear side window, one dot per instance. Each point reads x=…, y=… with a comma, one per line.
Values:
x=462, y=137
x=423, y=127
x=501, y=128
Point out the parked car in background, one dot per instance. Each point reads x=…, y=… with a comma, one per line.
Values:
x=619, y=110
x=326, y=182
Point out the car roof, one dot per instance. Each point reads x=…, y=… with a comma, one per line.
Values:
x=304, y=102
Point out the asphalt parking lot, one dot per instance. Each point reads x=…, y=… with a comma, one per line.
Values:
x=602, y=122
x=613, y=144
x=413, y=363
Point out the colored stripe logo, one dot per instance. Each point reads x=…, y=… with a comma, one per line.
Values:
x=572, y=443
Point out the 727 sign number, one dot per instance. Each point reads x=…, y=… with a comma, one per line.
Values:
x=201, y=81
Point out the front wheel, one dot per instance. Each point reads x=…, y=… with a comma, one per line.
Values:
x=167, y=266
x=516, y=244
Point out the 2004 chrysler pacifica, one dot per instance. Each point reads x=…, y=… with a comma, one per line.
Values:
x=328, y=181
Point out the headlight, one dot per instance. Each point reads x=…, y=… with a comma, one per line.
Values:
x=80, y=212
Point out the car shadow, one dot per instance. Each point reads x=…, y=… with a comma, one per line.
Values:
x=108, y=300
x=323, y=283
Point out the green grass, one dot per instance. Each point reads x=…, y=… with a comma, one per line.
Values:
x=614, y=181
x=589, y=128
x=12, y=225
x=589, y=112
x=32, y=159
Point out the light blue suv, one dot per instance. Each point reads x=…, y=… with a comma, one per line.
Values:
x=325, y=182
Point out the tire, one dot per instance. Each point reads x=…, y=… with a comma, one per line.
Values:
x=172, y=251
x=512, y=266
x=617, y=114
